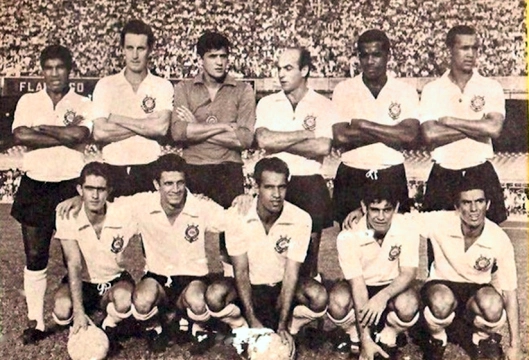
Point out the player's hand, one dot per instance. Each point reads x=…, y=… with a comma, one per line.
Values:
x=371, y=312
x=370, y=349
x=69, y=208
x=80, y=322
x=352, y=218
x=242, y=204
x=184, y=114
x=513, y=353
x=286, y=338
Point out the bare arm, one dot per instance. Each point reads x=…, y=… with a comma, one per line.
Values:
x=154, y=126
x=392, y=135
x=72, y=254
x=349, y=136
x=45, y=136
x=489, y=126
x=242, y=282
x=435, y=134
x=312, y=148
x=288, y=289
x=228, y=139
x=106, y=132
x=185, y=128
x=277, y=141
x=511, y=308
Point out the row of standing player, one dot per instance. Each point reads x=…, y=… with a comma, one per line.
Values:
x=213, y=117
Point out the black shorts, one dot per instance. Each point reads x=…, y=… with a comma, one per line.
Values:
x=349, y=184
x=93, y=293
x=220, y=182
x=443, y=183
x=372, y=291
x=264, y=299
x=310, y=193
x=462, y=293
x=175, y=285
x=130, y=180
x=35, y=201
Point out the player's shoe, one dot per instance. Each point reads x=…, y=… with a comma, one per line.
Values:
x=202, y=342
x=156, y=342
x=433, y=349
x=311, y=338
x=488, y=349
x=31, y=335
x=113, y=340
x=344, y=347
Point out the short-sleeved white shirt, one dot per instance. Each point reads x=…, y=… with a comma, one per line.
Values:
x=288, y=238
x=360, y=254
x=103, y=257
x=177, y=249
x=275, y=112
x=396, y=101
x=453, y=263
x=56, y=163
x=442, y=97
x=114, y=95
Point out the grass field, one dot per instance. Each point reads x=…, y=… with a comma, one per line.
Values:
x=13, y=307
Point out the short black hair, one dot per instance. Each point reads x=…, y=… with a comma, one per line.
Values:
x=374, y=35
x=377, y=192
x=471, y=180
x=137, y=27
x=458, y=30
x=57, y=52
x=305, y=59
x=272, y=164
x=211, y=40
x=96, y=168
x=168, y=162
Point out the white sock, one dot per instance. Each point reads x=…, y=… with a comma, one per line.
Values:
x=231, y=315
x=437, y=326
x=301, y=316
x=394, y=326
x=35, y=283
x=113, y=316
x=348, y=324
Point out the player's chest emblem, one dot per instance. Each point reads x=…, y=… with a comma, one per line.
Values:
x=477, y=103
x=282, y=244
x=483, y=263
x=117, y=244
x=309, y=123
x=394, y=252
x=212, y=119
x=148, y=104
x=394, y=110
x=191, y=233
x=71, y=118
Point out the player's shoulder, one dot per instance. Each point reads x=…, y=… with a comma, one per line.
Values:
x=346, y=84
x=202, y=203
x=495, y=231
x=433, y=84
x=30, y=97
x=296, y=214
x=402, y=86
x=160, y=81
x=268, y=99
x=348, y=238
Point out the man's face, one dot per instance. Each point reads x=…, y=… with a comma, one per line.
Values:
x=56, y=75
x=272, y=191
x=137, y=51
x=472, y=208
x=215, y=63
x=373, y=60
x=290, y=75
x=464, y=53
x=379, y=216
x=172, y=188
x=94, y=193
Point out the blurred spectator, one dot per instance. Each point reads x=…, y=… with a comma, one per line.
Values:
x=258, y=28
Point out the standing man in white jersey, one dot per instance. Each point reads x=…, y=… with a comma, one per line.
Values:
x=295, y=125
x=380, y=115
x=132, y=112
x=93, y=243
x=461, y=113
x=52, y=124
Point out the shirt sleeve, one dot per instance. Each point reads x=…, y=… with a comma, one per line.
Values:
x=261, y=114
x=236, y=238
x=65, y=229
x=87, y=113
x=348, y=254
x=340, y=100
x=23, y=112
x=102, y=99
x=246, y=117
x=329, y=116
x=166, y=96
x=299, y=244
x=505, y=261
x=215, y=216
x=496, y=100
x=428, y=104
x=411, y=103
x=410, y=248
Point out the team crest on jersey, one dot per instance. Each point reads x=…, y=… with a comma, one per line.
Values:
x=191, y=233
x=394, y=252
x=483, y=263
x=212, y=119
x=71, y=118
x=309, y=123
x=148, y=104
x=394, y=110
x=282, y=244
x=117, y=244
x=477, y=103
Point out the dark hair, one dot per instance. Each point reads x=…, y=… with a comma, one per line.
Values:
x=472, y=180
x=305, y=59
x=168, y=162
x=374, y=35
x=212, y=41
x=96, y=168
x=378, y=192
x=57, y=52
x=272, y=164
x=137, y=27
x=458, y=30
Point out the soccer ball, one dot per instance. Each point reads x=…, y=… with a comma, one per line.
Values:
x=261, y=344
x=89, y=344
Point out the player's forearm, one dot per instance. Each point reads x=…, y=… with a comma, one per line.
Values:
x=226, y=139
x=68, y=136
x=33, y=139
x=395, y=136
x=288, y=289
x=277, y=141
x=400, y=283
x=511, y=308
x=197, y=132
x=348, y=137
x=106, y=132
x=360, y=298
x=488, y=126
x=244, y=289
x=153, y=126
x=76, y=288
x=312, y=148
x=435, y=134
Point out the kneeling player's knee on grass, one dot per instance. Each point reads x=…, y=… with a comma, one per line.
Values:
x=441, y=301
x=489, y=304
x=144, y=301
x=340, y=302
x=317, y=296
x=62, y=307
x=406, y=305
x=216, y=296
x=194, y=299
x=122, y=299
